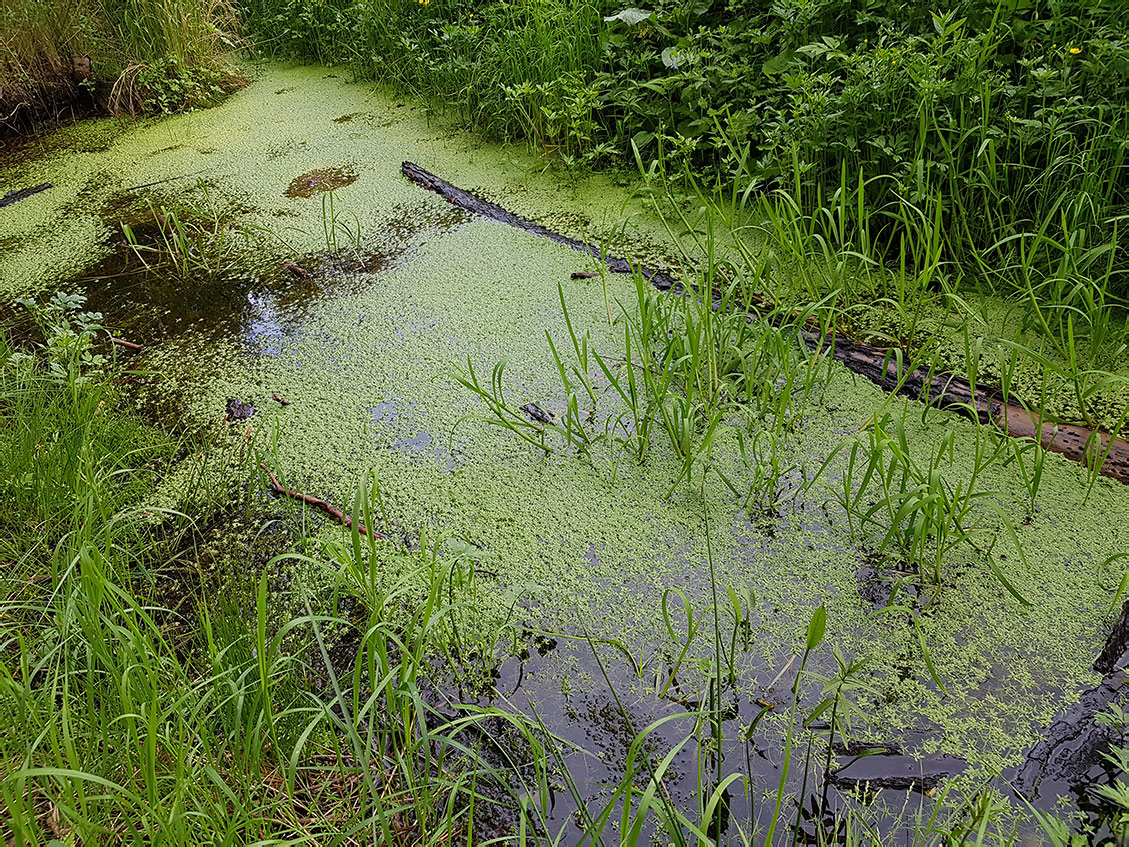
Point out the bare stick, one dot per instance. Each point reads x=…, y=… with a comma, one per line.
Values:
x=170, y=179
x=331, y=510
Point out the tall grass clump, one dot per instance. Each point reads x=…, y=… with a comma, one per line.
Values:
x=509, y=70
x=140, y=705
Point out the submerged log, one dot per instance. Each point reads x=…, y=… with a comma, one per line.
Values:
x=895, y=771
x=476, y=205
x=943, y=390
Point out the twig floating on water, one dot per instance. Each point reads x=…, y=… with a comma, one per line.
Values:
x=331, y=510
x=23, y=193
x=170, y=179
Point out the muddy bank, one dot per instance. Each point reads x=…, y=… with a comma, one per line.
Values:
x=46, y=92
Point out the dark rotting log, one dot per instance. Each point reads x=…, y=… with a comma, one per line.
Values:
x=1071, y=746
x=23, y=193
x=923, y=784
x=943, y=390
x=1115, y=645
x=475, y=204
x=331, y=510
x=861, y=748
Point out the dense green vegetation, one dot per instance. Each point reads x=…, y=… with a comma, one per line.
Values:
x=951, y=185
x=918, y=159
x=995, y=118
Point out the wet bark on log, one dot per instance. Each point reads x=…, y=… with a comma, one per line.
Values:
x=896, y=771
x=943, y=390
x=1071, y=745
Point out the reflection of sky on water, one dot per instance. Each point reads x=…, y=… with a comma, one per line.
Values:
x=393, y=417
x=267, y=323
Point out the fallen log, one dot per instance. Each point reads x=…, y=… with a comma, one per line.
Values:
x=895, y=771
x=943, y=390
x=23, y=193
x=484, y=208
x=331, y=510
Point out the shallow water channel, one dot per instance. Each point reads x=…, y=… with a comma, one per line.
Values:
x=398, y=288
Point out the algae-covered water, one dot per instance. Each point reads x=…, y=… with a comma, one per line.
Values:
x=406, y=289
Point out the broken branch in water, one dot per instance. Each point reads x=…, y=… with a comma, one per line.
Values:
x=331, y=510
x=170, y=179
x=943, y=390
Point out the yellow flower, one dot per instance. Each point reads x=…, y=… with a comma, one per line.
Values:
x=1075, y=51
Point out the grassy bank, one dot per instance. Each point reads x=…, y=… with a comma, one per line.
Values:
x=996, y=120
x=163, y=680
x=118, y=55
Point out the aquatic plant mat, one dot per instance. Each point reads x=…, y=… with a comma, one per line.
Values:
x=879, y=365
x=577, y=589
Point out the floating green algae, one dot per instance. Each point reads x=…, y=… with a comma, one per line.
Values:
x=364, y=363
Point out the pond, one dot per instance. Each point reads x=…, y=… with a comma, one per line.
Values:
x=341, y=317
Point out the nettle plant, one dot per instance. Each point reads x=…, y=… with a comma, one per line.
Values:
x=69, y=333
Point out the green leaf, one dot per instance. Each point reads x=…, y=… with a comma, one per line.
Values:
x=779, y=64
x=816, y=627
x=630, y=16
